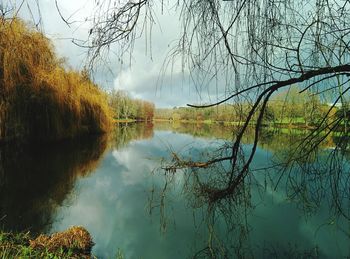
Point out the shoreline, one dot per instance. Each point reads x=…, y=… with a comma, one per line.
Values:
x=75, y=242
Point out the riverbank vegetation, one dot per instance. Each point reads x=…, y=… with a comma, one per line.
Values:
x=287, y=108
x=126, y=108
x=41, y=99
x=75, y=242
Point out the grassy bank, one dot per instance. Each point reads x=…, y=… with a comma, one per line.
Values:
x=75, y=242
x=40, y=98
x=283, y=124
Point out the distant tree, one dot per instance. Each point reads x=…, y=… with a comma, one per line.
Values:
x=149, y=110
x=176, y=116
x=296, y=107
x=125, y=107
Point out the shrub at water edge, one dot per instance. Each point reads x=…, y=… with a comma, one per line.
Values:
x=40, y=99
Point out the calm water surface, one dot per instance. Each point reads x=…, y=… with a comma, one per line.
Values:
x=115, y=189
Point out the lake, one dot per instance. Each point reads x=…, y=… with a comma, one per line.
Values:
x=115, y=187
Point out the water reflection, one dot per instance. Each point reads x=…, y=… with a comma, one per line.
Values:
x=128, y=205
x=35, y=180
x=272, y=139
x=114, y=204
x=126, y=132
x=309, y=201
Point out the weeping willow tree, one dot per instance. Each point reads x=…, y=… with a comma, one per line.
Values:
x=40, y=99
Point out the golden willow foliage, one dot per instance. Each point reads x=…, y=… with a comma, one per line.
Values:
x=39, y=98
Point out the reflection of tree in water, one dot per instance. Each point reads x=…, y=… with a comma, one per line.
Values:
x=321, y=176
x=272, y=139
x=197, y=129
x=124, y=133
x=35, y=180
x=318, y=183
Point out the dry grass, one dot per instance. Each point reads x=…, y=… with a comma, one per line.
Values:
x=73, y=243
x=40, y=99
x=76, y=239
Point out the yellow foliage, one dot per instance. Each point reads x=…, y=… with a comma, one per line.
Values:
x=39, y=98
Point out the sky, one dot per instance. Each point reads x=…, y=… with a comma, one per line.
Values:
x=144, y=78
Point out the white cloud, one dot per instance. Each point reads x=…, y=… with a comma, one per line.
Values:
x=146, y=77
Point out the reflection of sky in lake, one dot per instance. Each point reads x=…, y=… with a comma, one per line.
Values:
x=113, y=204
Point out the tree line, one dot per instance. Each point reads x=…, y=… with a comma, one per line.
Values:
x=287, y=107
x=125, y=107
